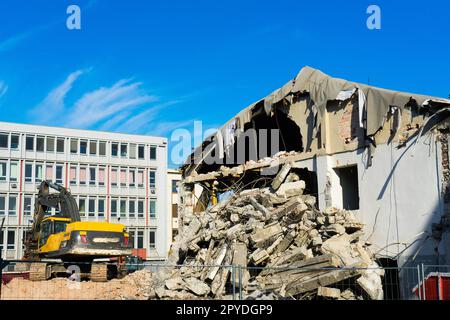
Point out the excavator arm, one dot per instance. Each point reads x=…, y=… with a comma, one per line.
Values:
x=62, y=200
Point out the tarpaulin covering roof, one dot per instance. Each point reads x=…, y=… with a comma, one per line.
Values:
x=374, y=103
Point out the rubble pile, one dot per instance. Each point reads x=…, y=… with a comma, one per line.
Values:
x=287, y=248
x=135, y=286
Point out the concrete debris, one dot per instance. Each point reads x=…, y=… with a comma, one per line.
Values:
x=276, y=244
x=329, y=292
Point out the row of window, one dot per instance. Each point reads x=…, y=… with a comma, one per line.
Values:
x=137, y=238
x=77, y=146
x=79, y=174
x=91, y=206
x=8, y=239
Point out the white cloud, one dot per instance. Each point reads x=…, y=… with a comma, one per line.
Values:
x=164, y=128
x=52, y=106
x=122, y=107
x=107, y=102
x=3, y=88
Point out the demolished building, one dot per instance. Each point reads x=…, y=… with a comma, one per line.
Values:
x=380, y=154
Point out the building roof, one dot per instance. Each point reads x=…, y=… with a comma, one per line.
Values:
x=374, y=103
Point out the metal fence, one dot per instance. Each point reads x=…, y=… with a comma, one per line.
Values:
x=234, y=282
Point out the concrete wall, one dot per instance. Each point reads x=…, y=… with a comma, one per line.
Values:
x=399, y=193
x=400, y=199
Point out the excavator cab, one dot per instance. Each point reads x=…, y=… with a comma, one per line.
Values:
x=51, y=227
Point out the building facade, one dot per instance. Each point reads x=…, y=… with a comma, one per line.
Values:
x=382, y=154
x=114, y=177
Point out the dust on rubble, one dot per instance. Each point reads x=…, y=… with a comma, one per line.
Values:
x=136, y=286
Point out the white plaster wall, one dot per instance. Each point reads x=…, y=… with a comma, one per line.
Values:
x=399, y=194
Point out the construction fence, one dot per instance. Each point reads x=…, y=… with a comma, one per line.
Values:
x=231, y=282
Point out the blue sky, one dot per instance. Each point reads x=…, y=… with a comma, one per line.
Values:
x=149, y=67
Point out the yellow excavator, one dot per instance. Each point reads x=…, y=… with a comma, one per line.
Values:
x=62, y=244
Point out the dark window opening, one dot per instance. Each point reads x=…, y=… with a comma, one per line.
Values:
x=391, y=280
x=348, y=177
x=310, y=178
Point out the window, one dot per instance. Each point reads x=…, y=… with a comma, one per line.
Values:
x=92, y=176
x=114, y=149
x=38, y=172
x=27, y=205
x=46, y=228
x=40, y=142
x=132, y=208
x=24, y=236
x=82, y=207
x=14, y=172
x=50, y=144
x=132, y=238
x=1, y=241
x=123, y=208
x=152, y=239
x=14, y=141
x=132, y=151
x=49, y=172
x=93, y=148
x=2, y=205
x=152, y=153
x=140, y=179
x=123, y=177
x=152, y=179
x=83, y=175
x=132, y=177
x=11, y=240
x=4, y=137
x=101, y=176
x=3, y=171
x=102, y=148
x=175, y=186
x=348, y=178
x=83, y=147
x=152, y=209
x=29, y=143
x=91, y=207
x=60, y=145
x=114, y=177
x=141, y=152
x=113, y=207
x=73, y=146
x=101, y=207
x=140, y=239
x=59, y=174
x=123, y=150
x=73, y=175
x=60, y=226
x=12, y=205
x=140, y=208
x=28, y=172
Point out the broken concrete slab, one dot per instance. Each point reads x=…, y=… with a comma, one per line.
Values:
x=326, y=292
x=262, y=235
x=291, y=189
x=282, y=174
x=196, y=286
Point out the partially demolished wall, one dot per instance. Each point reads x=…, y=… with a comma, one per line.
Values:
x=389, y=137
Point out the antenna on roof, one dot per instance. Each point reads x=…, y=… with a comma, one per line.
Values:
x=368, y=81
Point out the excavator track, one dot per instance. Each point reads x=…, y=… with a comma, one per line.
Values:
x=38, y=272
x=99, y=272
